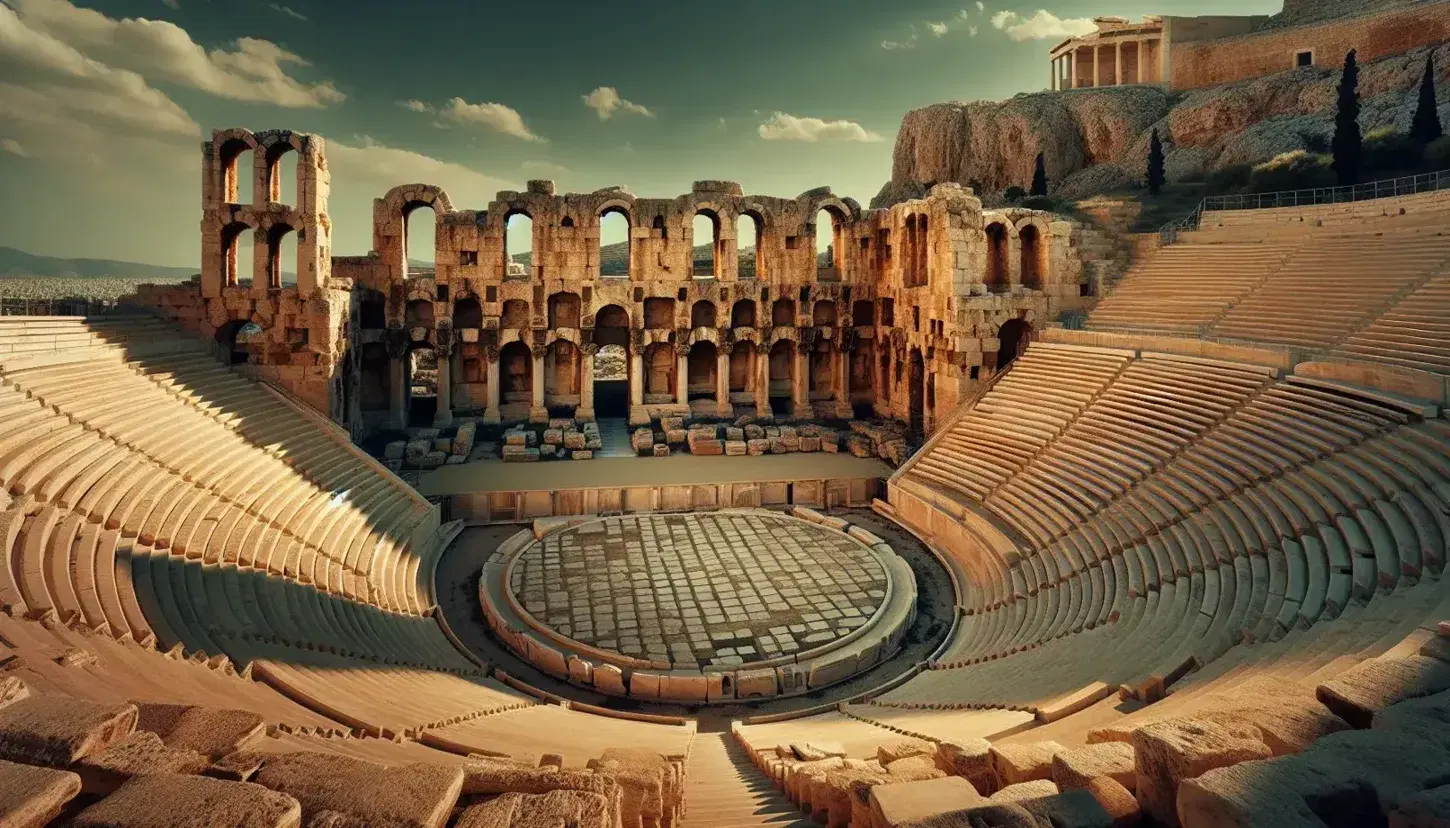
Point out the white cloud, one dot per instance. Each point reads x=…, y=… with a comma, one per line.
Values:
x=784, y=127
x=1044, y=25
x=493, y=116
x=972, y=31
x=366, y=166
x=13, y=147
x=289, y=11
x=171, y=4
x=606, y=100
x=255, y=70
x=893, y=45
x=938, y=29
x=981, y=7
x=542, y=168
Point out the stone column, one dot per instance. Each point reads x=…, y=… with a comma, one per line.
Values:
x=762, y=379
x=1097, y=74
x=537, y=412
x=636, y=378
x=723, y=408
x=1072, y=69
x=843, y=383
x=491, y=413
x=801, y=383
x=682, y=374
x=444, y=416
x=586, y=381
x=1118, y=64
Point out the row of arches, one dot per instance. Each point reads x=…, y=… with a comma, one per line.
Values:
x=1033, y=255
x=239, y=252
x=280, y=161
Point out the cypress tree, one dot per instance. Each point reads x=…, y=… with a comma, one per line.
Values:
x=1039, y=177
x=1348, y=141
x=1426, y=126
x=1155, y=165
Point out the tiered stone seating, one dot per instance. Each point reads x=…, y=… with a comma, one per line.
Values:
x=1332, y=287
x=1183, y=288
x=1413, y=333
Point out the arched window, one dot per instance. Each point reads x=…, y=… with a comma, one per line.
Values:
x=614, y=242
x=372, y=311
x=702, y=314
x=564, y=310
x=706, y=238
x=420, y=237
x=782, y=375
x=747, y=246
x=782, y=313
x=702, y=366
x=518, y=243
x=1034, y=257
x=281, y=256
x=241, y=339
x=997, y=257
x=282, y=184
x=516, y=373
x=237, y=247
x=236, y=162
x=611, y=326
x=830, y=244
x=742, y=314
x=823, y=315
x=467, y=313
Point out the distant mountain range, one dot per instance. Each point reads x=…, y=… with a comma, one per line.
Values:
x=19, y=264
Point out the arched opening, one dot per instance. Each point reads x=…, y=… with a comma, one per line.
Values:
x=702, y=314
x=241, y=340
x=467, y=313
x=372, y=310
x=659, y=373
x=418, y=314
x=375, y=377
x=742, y=367
x=862, y=364
x=823, y=315
x=567, y=221
x=782, y=313
x=823, y=374
x=282, y=184
x=237, y=167
x=564, y=310
x=470, y=381
x=281, y=256
x=782, y=376
x=1013, y=338
x=561, y=373
x=518, y=243
x=611, y=382
x=611, y=326
x=701, y=371
x=922, y=251
x=830, y=244
x=237, y=246
x=515, y=315
x=420, y=241
x=863, y=313
x=659, y=314
x=1034, y=257
x=742, y=314
x=747, y=246
x=516, y=374
x=884, y=389
x=614, y=242
x=422, y=385
x=997, y=257
x=705, y=230
x=917, y=391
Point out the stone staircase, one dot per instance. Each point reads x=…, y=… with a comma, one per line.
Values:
x=614, y=434
x=724, y=789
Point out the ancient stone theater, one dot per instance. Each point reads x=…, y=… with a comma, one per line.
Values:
x=965, y=516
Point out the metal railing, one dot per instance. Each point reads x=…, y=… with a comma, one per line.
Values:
x=69, y=306
x=1385, y=188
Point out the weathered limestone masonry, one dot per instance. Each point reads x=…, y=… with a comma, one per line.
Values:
x=919, y=303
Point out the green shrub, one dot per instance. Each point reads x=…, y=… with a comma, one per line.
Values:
x=1388, y=151
x=1042, y=203
x=1228, y=180
x=1014, y=194
x=1437, y=155
x=1297, y=170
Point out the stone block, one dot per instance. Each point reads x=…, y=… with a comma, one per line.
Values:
x=455, y=460
x=395, y=450
x=519, y=454
x=464, y=439
x=810, y=444
x=517, y=438
x=1357, y=694
x=548, y=452
x=757, y=447
x=830, y=447
x=860, y=446
x=642, y=440
x=575, y=440
x=661, y=450
x=561, y=423
x=1023, y=762
x=1168, y=752
x=736, y=448
x=553, y=436
x=432, y=460
x=140, y=753
x=159, y=800
x=415, y=451
x=578, y=809
x=1023, y=791
x=1075, y=768
x=210, y=731
x=426, y=434
x=754, y=432
x=57, y=731
x=911, y=803
x=707, y=448
x=609, y=679
x=903, y=749
x=406, y=796
x=31, y=797
x=1117, y=801
x=582, y=454
x=970, y=759
x=735, y=434
x=442, y=444
x=755, y=684
x=672, y=423
x=676, y=436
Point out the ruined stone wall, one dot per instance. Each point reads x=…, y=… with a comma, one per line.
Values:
x=1375, y=36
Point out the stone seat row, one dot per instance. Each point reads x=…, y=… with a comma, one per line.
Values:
x=40, y=442
x=1412, y=333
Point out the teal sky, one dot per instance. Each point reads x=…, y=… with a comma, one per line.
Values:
x=100, y=158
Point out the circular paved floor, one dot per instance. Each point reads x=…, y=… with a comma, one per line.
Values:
x=700, y=589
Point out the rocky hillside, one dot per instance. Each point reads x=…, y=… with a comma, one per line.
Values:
x=1096, y=140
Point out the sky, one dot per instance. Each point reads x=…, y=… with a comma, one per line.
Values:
x=104, y=105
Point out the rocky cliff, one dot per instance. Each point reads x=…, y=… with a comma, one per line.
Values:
x=1096, y=140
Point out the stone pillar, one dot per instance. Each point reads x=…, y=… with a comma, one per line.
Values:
x=586, y=381
x=843, y=383
x=444, y=416
x=762, y=380
x=800, y=405
x=1117, y=64
x=398, y=404
x=636, y=378
x=491, y=413
x=1072, y=69
x=723, y=408
x=537, y=412
x=1097, y=75
x=682, y=375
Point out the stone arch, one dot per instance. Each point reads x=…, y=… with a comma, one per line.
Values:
x=712, y=270
x=616, y=266
x=409, y=197
x=1012, y=339
x=749, y=267
x=823, y=314
x=1033, y=242
x=277, y=236
x=742, y=314
x=564, y=310
x=781, y=375
x=659, y=372
x=242, y=339
x=562, y=365
x=782, y=313
x=515, y=315
x=611, y=326
x=467, y=313
x=418, y=314
x=508, y=251
x=232, y=241
x=372, y=310
x=516, y=373
x=703, y=314
x=275, y=147
x=228, y=146
x=998, y=256
x=701, y=367
x=830, y=261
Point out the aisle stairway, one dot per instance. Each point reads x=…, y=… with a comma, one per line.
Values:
x=614, y=433
x=724, y=789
